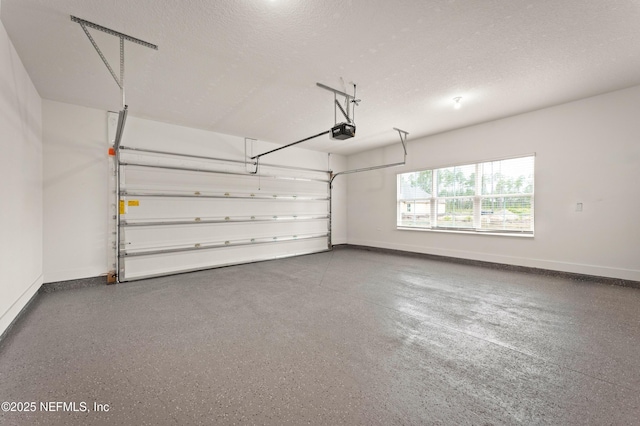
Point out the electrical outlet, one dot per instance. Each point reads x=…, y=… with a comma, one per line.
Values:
x=578, y=207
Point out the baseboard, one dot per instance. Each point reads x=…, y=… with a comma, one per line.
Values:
x=499, y=265
x=19, y=308
x=73, y=284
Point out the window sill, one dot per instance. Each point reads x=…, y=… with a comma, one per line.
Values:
x=460, y=231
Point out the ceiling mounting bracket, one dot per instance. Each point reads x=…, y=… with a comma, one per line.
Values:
x=122, y=116
x=119, y=80
x=403, y=139
x=350, y=103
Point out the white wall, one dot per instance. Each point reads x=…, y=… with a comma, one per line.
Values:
x=586, y=151
x=20, y=186
x=76, y=177
x=75, y=191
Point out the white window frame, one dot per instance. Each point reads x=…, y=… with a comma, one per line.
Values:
x=477, y=198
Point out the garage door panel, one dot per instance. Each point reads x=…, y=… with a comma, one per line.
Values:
x=178, y=215
x=167, y=180
x=152, y=236
x=162, y=264
x=212, y=208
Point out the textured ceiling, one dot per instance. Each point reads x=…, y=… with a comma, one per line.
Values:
x=249, y=67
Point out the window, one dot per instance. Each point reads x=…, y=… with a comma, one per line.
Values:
x=493, y=196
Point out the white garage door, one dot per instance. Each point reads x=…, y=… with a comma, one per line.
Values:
x=183, y=213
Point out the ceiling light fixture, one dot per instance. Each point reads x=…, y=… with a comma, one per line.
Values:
x=457, y=103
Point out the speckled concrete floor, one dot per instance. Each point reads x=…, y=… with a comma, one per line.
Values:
x=347, y=337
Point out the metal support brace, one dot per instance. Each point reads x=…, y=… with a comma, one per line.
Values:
x=113, y=33
x=403, y=140
x=346, y=114
x=124, y=103
x=122, y=115
x=402, y=133
x=347, y=96
x=350, y=112
x=95, y=45
x=119, y=81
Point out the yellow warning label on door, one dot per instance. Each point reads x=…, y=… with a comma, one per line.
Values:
x=121, y=206
x=133, y=203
